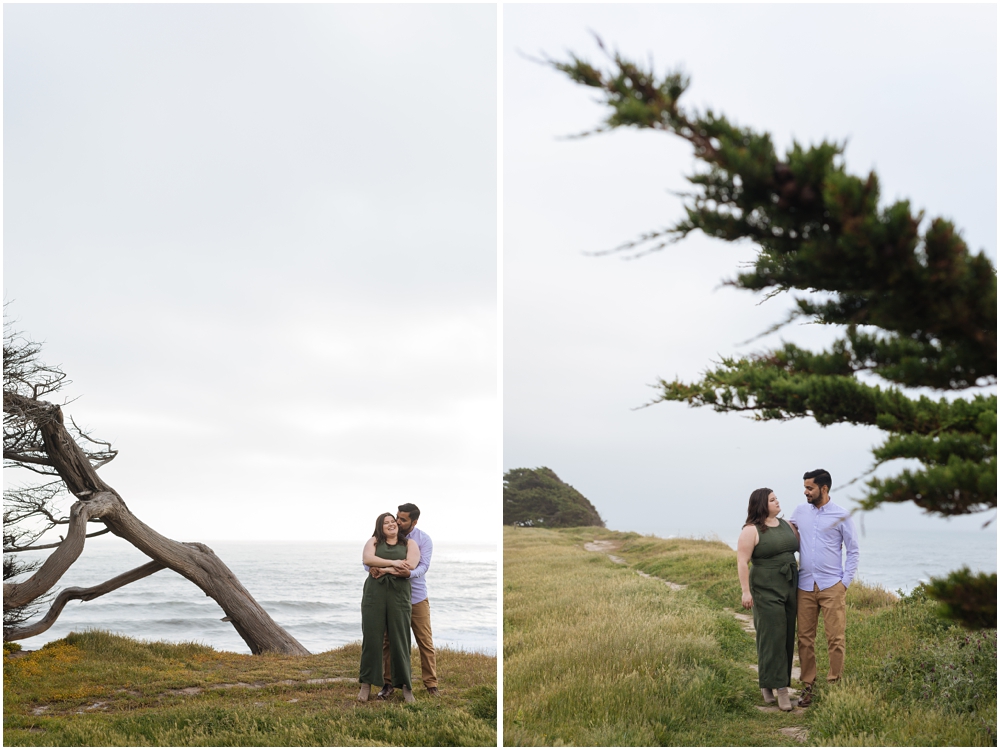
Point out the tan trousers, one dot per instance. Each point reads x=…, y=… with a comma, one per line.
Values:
x=832, y=602
x=420, y=622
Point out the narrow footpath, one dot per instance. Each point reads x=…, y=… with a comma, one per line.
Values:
x=799, y=734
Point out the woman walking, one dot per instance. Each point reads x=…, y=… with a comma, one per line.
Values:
x=385, y=606
x=769, y=587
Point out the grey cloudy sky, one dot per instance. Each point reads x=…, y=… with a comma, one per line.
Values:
x=912, y=89
x=262, y=241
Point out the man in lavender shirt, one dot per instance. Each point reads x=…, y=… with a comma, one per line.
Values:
x=420, y=619
x=825, y=529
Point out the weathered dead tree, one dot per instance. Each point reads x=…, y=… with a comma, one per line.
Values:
x=36, y=438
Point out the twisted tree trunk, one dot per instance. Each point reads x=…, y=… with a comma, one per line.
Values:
x=97, y=500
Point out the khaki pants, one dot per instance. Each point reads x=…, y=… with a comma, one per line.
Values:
x=420, y=622
x=832, y=603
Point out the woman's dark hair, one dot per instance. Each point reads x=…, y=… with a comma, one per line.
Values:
x=757, y=511
x=380, y=534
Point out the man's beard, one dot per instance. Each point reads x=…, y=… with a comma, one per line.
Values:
x=814, y=500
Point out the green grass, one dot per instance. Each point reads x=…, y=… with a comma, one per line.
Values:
x=595, y=654
x=101, y=689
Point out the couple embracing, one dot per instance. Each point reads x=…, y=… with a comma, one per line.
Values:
x=779, y=590
x=394, y=601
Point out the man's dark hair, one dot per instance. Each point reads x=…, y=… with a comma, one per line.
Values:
x=821, y=477
x=411, y=510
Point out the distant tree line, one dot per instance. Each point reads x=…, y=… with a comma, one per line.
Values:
x=537, y=497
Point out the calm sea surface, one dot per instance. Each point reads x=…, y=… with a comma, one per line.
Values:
x=312, y=589
x=902, y=559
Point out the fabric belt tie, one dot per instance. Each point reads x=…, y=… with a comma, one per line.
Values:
x=787, y=568
x=389, y=580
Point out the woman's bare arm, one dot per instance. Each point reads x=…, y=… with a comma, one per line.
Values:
x=744, y=551
x=372, y=560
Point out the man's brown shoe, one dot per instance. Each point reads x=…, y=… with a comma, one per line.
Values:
x=806, y=696
x=386, y=692
x=434, y=691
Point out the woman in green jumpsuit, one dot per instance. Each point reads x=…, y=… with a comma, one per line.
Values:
x=385, y=606
x=770, y=587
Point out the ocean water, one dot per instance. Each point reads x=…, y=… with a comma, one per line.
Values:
x=900, y=560
x=312, y=589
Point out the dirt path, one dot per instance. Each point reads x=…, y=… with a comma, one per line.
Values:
x=194, y=690
x=799, y=734
x=607, y=547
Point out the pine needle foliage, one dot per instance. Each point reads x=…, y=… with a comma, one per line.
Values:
x=917, y=308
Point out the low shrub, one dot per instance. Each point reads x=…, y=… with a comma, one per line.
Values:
x=869, y=596
x=957, y=672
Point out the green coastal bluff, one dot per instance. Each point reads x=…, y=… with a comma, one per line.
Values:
x=537, y=497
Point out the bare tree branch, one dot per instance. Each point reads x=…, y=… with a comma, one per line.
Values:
x=20, y=594
x=11, y=550
x=11, y=456
x=36, y=438
x=67, y=595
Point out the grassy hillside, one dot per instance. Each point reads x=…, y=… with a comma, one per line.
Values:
x=100, y=689
x=595, y=654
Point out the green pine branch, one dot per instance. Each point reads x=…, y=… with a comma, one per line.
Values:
x=918, y=308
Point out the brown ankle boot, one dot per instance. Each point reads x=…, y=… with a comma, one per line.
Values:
x=806, y=696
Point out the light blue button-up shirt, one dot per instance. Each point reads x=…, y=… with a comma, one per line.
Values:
x=823, y=534
x=418, y=584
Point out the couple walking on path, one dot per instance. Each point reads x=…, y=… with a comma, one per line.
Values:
x=395, y=601
x=781, y=591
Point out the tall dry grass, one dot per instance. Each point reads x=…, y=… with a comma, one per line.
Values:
x=595, y=654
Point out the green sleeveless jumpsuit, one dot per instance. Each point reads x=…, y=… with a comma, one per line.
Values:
x=774, y=579
x=385, y=606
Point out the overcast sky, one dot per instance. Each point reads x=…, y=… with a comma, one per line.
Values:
x=911, y=88
x=262, y=242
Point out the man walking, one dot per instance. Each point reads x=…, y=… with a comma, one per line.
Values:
x=825, y=529
x=420, y=619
